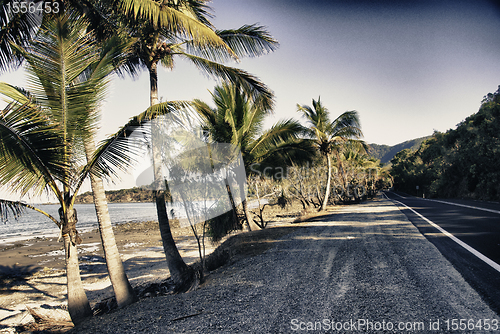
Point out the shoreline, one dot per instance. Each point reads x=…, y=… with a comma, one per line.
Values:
x=33, y=272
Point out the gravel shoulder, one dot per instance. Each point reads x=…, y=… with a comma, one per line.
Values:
x=363, y=267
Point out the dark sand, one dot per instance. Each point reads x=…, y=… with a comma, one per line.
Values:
x=32, y=272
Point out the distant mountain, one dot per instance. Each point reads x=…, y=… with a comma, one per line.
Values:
x=385, y=152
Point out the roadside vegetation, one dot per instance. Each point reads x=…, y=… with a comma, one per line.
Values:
x=47, y=130
x=460, y=163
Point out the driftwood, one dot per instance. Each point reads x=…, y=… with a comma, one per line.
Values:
x=188, y=316
x=44, y=323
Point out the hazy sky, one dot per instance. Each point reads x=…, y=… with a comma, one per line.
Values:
x=408, y=68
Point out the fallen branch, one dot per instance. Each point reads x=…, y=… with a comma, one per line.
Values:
x=188, y=316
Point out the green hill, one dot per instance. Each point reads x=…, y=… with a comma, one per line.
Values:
x=120, y=196
x=385, y=152
x=460, y=163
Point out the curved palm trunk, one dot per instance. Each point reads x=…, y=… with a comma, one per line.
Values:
x=328, y=183
x=124, y=293
x=182, y=275
x=251, y=226
x=343, y=177
x=180, y=272
x=78, y=303
x=231, y=200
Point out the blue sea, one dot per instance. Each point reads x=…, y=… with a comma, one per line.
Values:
x=33, y=224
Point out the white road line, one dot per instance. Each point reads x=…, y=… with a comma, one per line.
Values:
x=394, y=194
x=492, y=263
x=464, y=206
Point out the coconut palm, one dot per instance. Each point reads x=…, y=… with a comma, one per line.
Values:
x=20, y=29
x=43, y=132
x=238, y=120
x=329, y=136
x=169, y=18
x=50, y=115
x=160, y=42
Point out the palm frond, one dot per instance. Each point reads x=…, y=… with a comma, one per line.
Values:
x=121, y=150
x=16, y=28
x=255, y=88
x=249, y=40
x=16, y=209
x=284, y=154
x=93, y=82
x=10, y=208
x=281, y=132
x=347, y=125
x=30, y=150
x=197, y=9
x=176, y=21
x=59, y=55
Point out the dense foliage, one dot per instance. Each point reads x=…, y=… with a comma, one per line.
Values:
x=459, y=163
x=120, y=196
x=385, y=153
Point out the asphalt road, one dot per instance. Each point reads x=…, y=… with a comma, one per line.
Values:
x=477, y=228
x=361, y=269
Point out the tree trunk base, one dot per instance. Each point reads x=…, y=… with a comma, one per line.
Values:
x=190, y=281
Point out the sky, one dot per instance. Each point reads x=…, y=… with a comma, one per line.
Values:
x=408, y=67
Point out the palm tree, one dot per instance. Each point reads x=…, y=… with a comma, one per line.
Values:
x=159, y=42
x=328, y=136
x=49, y=115
x=170, y=19
x=112, y=51
x=20, y=29
x=238, y=120
x=43, y=132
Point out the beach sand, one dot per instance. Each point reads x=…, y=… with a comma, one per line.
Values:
x=32, y=272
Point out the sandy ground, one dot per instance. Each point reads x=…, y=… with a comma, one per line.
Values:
x=32, y=273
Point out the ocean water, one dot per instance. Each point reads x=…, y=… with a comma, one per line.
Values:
x=33, y=224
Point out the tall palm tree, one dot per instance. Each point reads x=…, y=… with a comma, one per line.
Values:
x=238, y=119
x=52, y=111
x=103, y=21
x=329, y=136
x=42, y=133
x=113, y=50
x=159, y=43
x=168, y=18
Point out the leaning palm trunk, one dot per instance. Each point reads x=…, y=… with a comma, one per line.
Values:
x=182, y=275
x=231, y=200
x=124, y=293
x=251, y=226
x=328, y=183
x=78, y=304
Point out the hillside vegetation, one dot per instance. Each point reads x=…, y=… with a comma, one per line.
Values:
x=120, y=196
x=460, y=163
x=385, y=153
